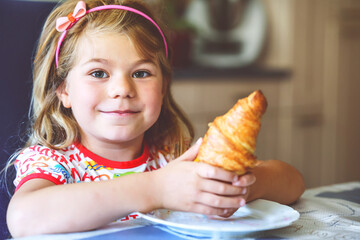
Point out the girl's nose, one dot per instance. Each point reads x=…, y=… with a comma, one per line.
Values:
x=121, y=87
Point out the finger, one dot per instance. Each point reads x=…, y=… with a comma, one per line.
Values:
x=245, y=180
x=220, y=188
x=228, y=212
x=207, y=171
x=218, y=201
x=191, y=153
x=208, y=210
x=245, y=193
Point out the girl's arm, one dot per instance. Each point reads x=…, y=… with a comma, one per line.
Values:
x=276, y=181
x=40, y=207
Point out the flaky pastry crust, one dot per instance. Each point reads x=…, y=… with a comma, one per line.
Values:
x=230, y=141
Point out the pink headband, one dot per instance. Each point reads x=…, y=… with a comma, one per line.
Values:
x=65, y=23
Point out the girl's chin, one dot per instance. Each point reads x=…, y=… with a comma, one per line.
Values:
x=122, y=138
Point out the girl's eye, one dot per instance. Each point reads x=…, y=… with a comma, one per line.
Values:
x=140, y=74
x=99, y=74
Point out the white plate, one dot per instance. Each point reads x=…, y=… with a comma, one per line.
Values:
x=258, y=215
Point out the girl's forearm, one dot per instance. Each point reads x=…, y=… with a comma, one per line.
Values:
x=277, y=181
x=79, y=207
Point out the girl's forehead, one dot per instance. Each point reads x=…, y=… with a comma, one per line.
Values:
x=100, y=39
x=109, y=47
x=96, y=45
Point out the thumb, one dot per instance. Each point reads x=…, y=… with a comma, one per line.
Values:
x=192, y=152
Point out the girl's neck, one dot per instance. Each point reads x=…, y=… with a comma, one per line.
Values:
x=120, y=152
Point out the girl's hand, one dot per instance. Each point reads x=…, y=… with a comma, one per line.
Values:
x=185, y=185
x=244, y=181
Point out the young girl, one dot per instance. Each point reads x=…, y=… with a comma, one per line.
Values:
x=104, y=119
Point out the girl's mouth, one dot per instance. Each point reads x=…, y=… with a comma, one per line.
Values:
x=120, y=112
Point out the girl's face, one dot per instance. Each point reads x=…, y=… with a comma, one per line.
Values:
x=114, y=93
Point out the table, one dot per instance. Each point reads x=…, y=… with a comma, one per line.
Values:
x=329, y=212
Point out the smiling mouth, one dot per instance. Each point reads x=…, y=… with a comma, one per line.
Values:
x=120, y=113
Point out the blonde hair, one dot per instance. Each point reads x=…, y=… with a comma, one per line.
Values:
x=53, y=125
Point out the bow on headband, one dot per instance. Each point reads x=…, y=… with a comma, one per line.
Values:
x=64, y=23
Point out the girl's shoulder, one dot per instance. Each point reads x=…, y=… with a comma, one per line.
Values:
x=47, y=152
x=56, y=165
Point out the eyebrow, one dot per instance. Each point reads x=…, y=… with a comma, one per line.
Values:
x=105, y=61
x=99, y=60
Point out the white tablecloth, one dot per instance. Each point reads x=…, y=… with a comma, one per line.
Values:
x=330, y=212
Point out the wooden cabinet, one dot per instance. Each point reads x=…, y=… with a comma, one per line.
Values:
x=325, y=128
x=344, y=71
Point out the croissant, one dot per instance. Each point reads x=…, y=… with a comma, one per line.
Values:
x=230, y=141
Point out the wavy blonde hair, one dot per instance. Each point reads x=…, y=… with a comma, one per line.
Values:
x=53, y=125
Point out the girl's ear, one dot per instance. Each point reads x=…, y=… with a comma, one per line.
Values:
x=63, y=95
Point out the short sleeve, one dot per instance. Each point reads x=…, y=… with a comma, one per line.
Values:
x=32, y=164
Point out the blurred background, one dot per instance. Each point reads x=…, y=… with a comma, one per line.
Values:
x=303, y=54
